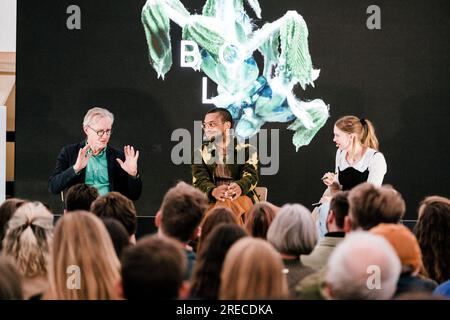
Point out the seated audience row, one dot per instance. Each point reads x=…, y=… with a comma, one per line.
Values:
x=92, y=252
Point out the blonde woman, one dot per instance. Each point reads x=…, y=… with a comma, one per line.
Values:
x=84, y=265
x=253, y=269
x=27, y=241
x=358, y=160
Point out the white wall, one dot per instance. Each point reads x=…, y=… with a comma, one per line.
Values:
x=8, y=18
x=2, y=152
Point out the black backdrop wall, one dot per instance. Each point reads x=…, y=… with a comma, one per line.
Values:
x=397, y=77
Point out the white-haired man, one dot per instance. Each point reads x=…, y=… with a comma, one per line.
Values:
x=362, y=267
x=95, y=163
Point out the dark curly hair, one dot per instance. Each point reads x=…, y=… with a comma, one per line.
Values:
x=433, y=233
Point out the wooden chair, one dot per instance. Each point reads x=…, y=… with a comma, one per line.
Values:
x=262, y=193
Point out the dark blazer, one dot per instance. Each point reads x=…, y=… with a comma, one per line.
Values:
x=64, y=175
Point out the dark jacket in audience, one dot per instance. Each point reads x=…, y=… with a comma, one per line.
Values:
x=295, y=271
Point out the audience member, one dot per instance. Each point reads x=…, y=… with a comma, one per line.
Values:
x=259, y=218
x=433, y=233
x=206, y=275
x=179, y=217
x=7, y=209
x=84, y=265
x=117, y=206
x=293, y=234
x=153, y=269
x=27, y=241
x=118, y=234
x=363, y=266
x=80, y=197
x=212, y=219
x=252, y=270
x=10, y=280
x=335, y=225
x=405, y=244
x=370, y=205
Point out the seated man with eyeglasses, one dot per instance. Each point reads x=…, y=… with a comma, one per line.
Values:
x=223, y=168
x=95, y=163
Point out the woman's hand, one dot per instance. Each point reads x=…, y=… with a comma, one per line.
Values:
x=329, y=178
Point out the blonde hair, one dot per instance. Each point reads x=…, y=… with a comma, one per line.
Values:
x=82, y=240
x=28, y=238
x=362, y=128
x=253, y=269
x=96, y=113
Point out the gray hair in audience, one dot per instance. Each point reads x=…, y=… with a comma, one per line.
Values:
x=363, y=266
x=292, y=231
x=96, y=113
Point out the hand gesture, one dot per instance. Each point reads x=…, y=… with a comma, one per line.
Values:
x=82, y=159
x=328, y=178
x=130, y=163
x=234, y=191
x=219, y=193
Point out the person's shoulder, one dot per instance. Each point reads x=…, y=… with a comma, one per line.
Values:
x=375, y=154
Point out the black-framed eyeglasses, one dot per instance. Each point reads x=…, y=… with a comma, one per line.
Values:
x=100, y=133
x=212, y=124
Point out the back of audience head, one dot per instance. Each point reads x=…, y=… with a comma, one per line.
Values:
x=118, y=234
x=292, y=232
x=117, y=206
x=212, y=219
x=7, y=209
x=371, y=205
x=259, y=218
x=339, y=208
x=29, y=237
x=206, y=275
x=253, y=269
x=80, y=197
x=433, y=233
x=404, y=243
x=10, y=280
x=360, y=256
x=153, y=269
x=83, y=254
x=181, y=212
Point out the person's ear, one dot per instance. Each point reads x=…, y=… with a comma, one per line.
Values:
x=184, y=291
x=85, y=129
x=158, y=219
x=119, y=289
x=331, y=217
x=132, y=239
x=347, y=223
x=328, y=292
x=227, y=125
x=196, y=233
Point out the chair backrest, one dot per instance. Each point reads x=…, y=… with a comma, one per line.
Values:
x=262, y=193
